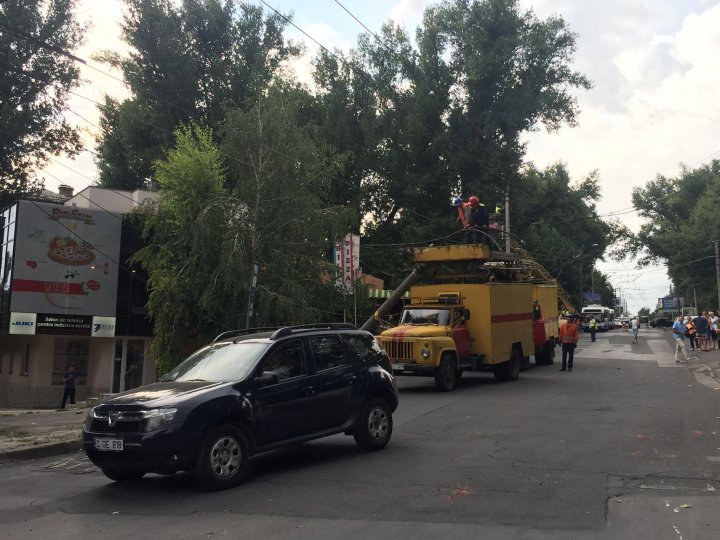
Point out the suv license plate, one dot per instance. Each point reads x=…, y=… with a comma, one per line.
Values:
x=109, y=445
x=398, y=367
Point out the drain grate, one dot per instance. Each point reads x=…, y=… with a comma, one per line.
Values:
x=75, y=464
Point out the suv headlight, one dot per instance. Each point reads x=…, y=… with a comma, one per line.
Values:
x=88, y=420
x=157, y=419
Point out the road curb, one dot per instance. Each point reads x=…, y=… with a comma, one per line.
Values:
x=37, y=452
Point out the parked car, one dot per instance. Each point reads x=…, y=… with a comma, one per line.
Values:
x=661, y=322
x=247, y=393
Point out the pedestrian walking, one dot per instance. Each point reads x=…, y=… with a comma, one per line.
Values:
x=69, y=390
x=701, y=328
x=713, y=322
x=690, y=332
x=593, y=327
x=635, y=327
x=678, y=329
x=568, y=338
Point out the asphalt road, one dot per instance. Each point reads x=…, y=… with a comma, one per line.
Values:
x=625, y=446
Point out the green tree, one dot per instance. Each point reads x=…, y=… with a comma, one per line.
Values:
x=191, y=60
x=182, y=251
x=216, y=215
x=681, y=220
x=36, y=74
x=445, y=117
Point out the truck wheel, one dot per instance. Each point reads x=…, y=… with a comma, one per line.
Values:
x=446, y=373
x=375, y=426
x=223, y=458
x=525, y=363
x=550, y=358
x=509, y=370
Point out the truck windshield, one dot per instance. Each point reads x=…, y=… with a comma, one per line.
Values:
x=224, y=361
x=441, y=317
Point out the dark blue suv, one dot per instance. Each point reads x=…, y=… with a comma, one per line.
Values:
x=245, y=393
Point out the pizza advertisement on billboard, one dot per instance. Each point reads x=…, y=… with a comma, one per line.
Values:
x=65, y=260
x=347, y=262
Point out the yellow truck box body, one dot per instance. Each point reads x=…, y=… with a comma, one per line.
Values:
x=500, y=315
x=547, y=297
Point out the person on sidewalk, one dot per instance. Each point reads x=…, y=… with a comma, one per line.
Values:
x=701, y=328
x=568, y=338
x=593, y=327
x=635, y=327
x=678, y=329
x=690, y=332
x=69, y=391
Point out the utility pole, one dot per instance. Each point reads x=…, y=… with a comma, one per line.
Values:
x=717, y=269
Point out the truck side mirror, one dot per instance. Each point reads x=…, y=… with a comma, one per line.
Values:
x=466, y=314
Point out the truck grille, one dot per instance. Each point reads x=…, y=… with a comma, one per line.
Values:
x=398, y=350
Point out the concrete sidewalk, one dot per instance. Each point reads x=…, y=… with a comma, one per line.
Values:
x=30, y=434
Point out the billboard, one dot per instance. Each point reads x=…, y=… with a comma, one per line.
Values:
x=347, y=261
x=66, y=262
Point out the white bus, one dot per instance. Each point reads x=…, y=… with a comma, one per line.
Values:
x=604, y=316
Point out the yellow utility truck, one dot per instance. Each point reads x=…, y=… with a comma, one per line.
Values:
x=545, y=322
x=478, y=310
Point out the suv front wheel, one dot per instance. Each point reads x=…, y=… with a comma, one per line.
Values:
x=223, y=459
x=374, y=426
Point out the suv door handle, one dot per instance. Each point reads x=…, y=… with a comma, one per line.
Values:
x=308, y=390
x=350, y=378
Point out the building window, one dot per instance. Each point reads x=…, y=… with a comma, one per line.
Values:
x=24, y=366
x=70, y=353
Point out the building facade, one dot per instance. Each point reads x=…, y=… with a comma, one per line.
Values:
x=70, y=296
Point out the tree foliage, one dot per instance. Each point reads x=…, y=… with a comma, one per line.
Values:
x=219, y=212
x=191, y=60
x=681, y=225
x=389, y=134
x=444, y=116
x=36, y=75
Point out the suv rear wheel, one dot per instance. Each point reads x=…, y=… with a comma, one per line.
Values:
x=374, y=426
x=223, y=459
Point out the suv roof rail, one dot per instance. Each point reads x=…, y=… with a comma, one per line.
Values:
x=233, y=333
x=287, y=330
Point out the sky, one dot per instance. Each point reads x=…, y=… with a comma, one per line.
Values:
x=652, y=109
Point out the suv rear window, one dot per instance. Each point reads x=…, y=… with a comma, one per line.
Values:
x=329, y=352
x=365, y=346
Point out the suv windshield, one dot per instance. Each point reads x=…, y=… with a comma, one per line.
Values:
x=426, y=316
x=223, y=361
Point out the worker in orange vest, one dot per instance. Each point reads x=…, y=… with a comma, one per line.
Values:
x=569, y=335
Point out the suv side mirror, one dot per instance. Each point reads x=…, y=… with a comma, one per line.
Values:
x=466, y=314
x=267, y=377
